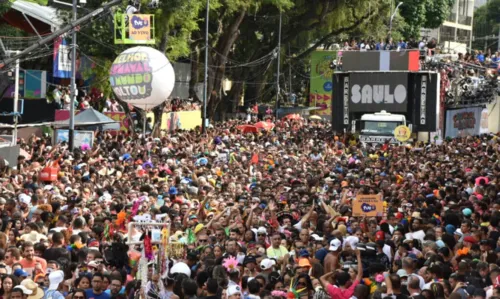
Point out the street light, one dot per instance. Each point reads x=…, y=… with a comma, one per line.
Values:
x=393, y=15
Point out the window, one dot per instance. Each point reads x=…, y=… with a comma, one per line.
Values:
x=446, y=34
x=465, y=12
x=378, y=127
x=453, y=13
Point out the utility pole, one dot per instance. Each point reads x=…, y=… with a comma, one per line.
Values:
x=205, y=81
x=278, y=70
x=16, y=103
x=290, y=72
x=71, y=135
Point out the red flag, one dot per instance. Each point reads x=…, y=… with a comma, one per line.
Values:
x=255, y=159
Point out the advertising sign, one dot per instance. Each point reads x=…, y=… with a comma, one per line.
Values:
x=380, y=61
x=484, y=122
x=321, y=84
x=368, y=205
x=119, y=117
x=463, y=122
x=140, y=27
x=61, y=63
x=81, y=137
x=402, y=133
x=373, y=92
x=35, y=86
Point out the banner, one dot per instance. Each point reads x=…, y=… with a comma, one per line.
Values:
x=35, y=84
x=140, y=27
x=380, y=61
x=62, y=63
x=321, y=86
x=368, y=205
x=185, y=120
x=374, y=92
x=483, y=129
x=463, y=122
x=9, y=92
x=120, y=117
x=85, y=138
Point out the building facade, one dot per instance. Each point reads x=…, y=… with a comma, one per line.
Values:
x=457, y=29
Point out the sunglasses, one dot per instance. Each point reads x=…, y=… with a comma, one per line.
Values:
x=203, y=240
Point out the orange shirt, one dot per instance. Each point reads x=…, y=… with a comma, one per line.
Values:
x=29, y=266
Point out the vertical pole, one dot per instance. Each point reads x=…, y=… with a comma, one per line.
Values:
x=144, y=120
x=498, y=46
x=290, y=72
x=16, y=101
x=278, y=70
x=71, y=134
x=205, y=81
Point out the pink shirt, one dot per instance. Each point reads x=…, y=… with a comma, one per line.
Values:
x=338, y=293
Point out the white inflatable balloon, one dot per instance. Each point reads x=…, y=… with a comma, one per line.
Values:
x=142, y=77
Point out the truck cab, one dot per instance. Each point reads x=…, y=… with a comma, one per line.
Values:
x=379, y=127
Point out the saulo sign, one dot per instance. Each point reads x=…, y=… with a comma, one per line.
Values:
x=373, y=92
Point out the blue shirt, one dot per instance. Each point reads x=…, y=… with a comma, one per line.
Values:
x=480, y=57
x=91, y=295
x=122, y=291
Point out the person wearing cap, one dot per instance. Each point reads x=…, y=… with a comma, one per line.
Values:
x=341, y=289
x=19, y=292
x=266, y=266
x=332, y=258
x=250, y=264
x=234, y=292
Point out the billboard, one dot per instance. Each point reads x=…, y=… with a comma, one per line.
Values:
x=380, y=61
x=140, y=27
x=321, y=86
x=374, y=92
x=463, y=122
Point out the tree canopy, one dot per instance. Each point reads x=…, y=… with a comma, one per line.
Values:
x=243, y=37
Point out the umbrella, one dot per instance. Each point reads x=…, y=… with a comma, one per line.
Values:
x=315, y=117
x=248, y=129
x=264, y=125
x=293, y=117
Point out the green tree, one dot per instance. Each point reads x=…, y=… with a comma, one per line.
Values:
x=424, y=14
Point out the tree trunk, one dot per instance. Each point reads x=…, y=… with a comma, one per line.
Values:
x=223, y=48
x=195, y=57
x=163, y=42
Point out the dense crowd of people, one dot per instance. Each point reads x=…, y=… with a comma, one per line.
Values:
x=265, y=214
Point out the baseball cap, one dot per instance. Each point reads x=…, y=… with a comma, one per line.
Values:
x=470, y=239
x=334, y=245
x=233, y=290
x=24, y=289
x=402, y=273
x=467, y=212
x=266, y=264
x=380, y=236
x=20, y=273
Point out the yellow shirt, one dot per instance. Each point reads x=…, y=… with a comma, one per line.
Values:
x=276, y=253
